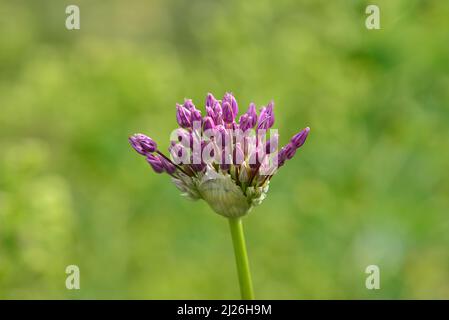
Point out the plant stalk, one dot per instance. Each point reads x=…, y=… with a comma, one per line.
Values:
x=241, y=258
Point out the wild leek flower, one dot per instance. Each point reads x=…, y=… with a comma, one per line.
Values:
x=228, y=164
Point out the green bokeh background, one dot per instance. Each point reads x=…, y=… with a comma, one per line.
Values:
x=370, y=186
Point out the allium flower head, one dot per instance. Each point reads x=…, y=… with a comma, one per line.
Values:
x=228, y=164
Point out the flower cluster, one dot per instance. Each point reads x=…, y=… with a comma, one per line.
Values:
x=229, y=164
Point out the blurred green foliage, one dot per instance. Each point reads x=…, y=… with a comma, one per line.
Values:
x=370, y=186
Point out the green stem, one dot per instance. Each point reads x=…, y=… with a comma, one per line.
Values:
x=241, y=258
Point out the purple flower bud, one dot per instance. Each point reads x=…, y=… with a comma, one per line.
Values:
x=228, y=115
x=229, y=98
x=298, y=140
x=218, y=113
x=168, y=165
x=210, y=100
x=188, y=104
x=210, y=112
x=183, y=116
x=287, y=152
x=266, y=117
x=290, y=151
x=208, y=123
x=230, y=108
x=155, y=163
x=217, y=108
x=142, y=144
x=215, y=112
x=195, y=115
x=245, y=122
x=251, y=112
x=281, y=157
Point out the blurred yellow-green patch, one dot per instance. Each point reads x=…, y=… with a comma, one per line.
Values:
x=370, y=186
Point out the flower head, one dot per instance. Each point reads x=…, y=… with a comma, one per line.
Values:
x=224, y=162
